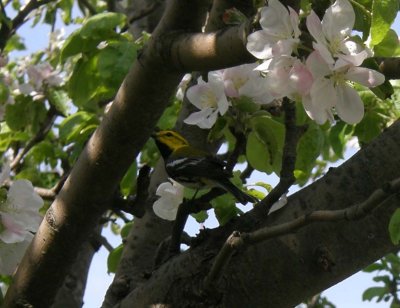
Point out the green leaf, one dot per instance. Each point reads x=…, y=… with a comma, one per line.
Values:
x=25, y=114
x=76, y=44
x=267, y=187
x=66, y=9
x=59, y=99
x=72, y=127
x=102, y=26
x=265, y=144
x=200, y=216
x=113, y=259
x=114, y=62
x=374, y=267
x=372, y=292
x=225, y=208
x=337, y=137
x=84, y=83
x=394, y=227
x=309, y=148
x=389, y=46
x=128, y=182
x=383, y=14
x=246, y=104
x=369, y=127
x=126, y=229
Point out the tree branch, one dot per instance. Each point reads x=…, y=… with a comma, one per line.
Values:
x=292, y=137
x=239, y=240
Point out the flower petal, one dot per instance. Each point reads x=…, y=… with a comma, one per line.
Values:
x=365, y=76
x=349, y=106
x=339, y=20
x=259, y=44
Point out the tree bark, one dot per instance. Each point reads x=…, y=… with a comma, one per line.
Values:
x=283, y=271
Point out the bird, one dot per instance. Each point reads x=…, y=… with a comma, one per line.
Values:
x=193, y=167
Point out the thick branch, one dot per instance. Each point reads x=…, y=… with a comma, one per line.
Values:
x=237, y=241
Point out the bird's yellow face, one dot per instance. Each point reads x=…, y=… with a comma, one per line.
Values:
x=170, y=139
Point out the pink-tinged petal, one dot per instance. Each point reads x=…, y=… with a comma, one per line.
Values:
x=349, y=106
x=365, y=76
x=315, y=28
x=324, y=53
x=317, y=65
x=259, y=44
x=284, y=47
x=13, y=231
x=196, y=93
x=339, y=19
x=301, y=78
x=230, y=89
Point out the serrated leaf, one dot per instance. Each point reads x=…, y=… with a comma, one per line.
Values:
x=372, y=292
x=76, y=44
x=394, y=227
x=383, y=14
x=113, y=259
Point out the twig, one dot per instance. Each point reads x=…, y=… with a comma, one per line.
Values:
x=246, y=173
x=102, y=241
x=238, y=240
x=292, y=136
x=6, y=32
x=40, y=135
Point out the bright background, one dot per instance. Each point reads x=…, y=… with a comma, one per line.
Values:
x=346, y=294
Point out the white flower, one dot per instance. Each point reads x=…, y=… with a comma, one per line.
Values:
x=332, y=89
x=287, y=76
x=279, y=35
x=43, y=73
x=11, y=255
x=332, y=34
x=243, y=80
x=210, y=98
x=19, y=214
x=171, y=196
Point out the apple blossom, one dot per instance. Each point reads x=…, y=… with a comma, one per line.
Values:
x=210, y=98
x=243, y=80
x=280, y=32
x=332, y=34
x=19, y=214
x=171, y=196
x=331, y=89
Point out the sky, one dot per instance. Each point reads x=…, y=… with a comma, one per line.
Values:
x=346, y=294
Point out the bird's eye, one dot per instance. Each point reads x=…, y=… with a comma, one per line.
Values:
x=169, y=134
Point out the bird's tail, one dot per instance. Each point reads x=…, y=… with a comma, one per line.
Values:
x=240, y=195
